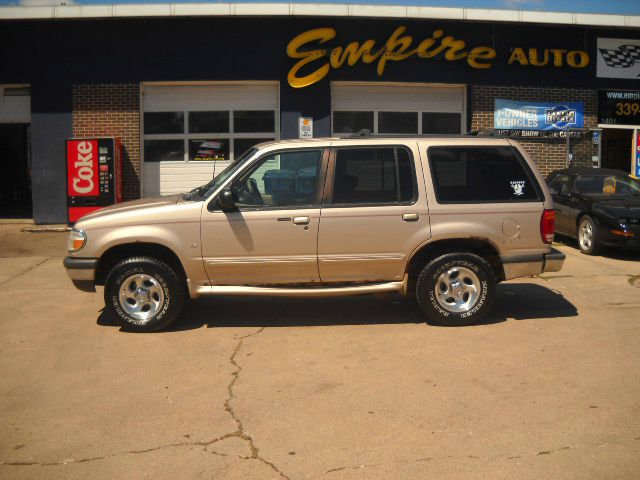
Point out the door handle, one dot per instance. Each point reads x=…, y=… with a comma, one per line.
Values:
x=410, y=217
x=301, y=220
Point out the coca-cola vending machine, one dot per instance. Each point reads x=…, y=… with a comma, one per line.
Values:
x=94, y=175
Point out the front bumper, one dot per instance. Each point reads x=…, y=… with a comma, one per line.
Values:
x=530, y=265
x=609, y=239
x=82, y=272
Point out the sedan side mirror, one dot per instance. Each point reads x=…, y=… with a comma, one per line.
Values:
x=226, y=200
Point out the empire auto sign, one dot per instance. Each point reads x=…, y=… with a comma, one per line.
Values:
x=315, y=60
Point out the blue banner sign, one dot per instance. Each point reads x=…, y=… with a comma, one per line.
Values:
x=512, y=115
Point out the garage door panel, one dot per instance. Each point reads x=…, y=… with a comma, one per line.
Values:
x=167, y=179
x=396, y=97
x=208, y=97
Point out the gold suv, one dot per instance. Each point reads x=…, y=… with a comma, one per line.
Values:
x=441, y=218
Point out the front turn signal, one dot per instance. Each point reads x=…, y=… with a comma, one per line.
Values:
x=77, y=240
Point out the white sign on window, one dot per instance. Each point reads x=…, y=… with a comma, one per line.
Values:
x=618, y=58
x=305, y=127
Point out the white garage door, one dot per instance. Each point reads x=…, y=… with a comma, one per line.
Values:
x=192, y=132
x=397, y=108
x=15, y=104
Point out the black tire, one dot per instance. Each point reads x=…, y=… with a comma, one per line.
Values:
x=593, y=246
x=170, y=292
x=440, y=313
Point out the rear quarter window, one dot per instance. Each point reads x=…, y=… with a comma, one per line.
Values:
x=481, y=175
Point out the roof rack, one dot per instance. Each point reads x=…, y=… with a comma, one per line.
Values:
x=365, y=132
x=487, y=132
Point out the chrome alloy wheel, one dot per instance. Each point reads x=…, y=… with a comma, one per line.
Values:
x=457, y=289
x=585, y=234
x=141, y=296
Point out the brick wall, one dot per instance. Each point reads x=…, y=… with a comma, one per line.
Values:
x=548, y=153
x=112, y=110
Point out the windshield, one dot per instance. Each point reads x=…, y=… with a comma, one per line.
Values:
x=607, y=185
x=207, y=189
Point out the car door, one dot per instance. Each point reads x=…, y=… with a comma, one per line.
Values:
x=560, y=188
x=271, y=235
x=371, y=219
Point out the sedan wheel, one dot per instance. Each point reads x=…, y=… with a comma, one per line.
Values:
x=587, y=236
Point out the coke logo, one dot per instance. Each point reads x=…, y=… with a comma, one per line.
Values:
x=81, y=158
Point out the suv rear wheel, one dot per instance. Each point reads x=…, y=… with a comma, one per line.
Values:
x=456, y=289
x=144, y=294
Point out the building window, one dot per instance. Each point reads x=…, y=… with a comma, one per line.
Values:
x=163, y=122
x=397, y=122
x=196, y=136
x=351, y=122
x=441, y=122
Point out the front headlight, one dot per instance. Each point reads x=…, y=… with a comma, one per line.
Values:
x=77, y=240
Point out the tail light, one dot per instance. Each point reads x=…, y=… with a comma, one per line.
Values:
x=547, y=223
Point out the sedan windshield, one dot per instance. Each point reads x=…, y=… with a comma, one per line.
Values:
x=207, y=189
x=609, y=185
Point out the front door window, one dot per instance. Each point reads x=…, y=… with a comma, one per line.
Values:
x=283, y=180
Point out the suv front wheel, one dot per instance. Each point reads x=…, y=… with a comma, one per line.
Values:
x=144, y=294
x=456, y=289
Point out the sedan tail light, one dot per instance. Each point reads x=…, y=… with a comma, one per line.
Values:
x=547, y=223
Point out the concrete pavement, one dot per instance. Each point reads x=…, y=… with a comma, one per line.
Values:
x=547, y=387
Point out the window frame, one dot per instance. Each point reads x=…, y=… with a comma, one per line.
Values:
x=186, y=136
x=540, y=197
x=375, y=112
x=327, y=198
x=212, y=205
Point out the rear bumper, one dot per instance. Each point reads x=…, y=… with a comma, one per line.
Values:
x=82, y=272
x=530, y=265
x=553, y=261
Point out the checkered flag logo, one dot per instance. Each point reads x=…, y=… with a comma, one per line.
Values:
x=624, y=56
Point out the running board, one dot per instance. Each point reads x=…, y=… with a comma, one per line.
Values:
x=400, y=287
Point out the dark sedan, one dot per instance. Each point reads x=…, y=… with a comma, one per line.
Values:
x=597, y=206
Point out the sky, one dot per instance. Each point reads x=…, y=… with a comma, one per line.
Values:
x=626, y=7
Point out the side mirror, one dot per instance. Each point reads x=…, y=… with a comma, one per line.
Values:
x=225, y=200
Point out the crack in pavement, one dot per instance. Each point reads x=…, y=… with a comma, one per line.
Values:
x=472, y=457
x=124, y=452
x=239, y=432
x=25, y=271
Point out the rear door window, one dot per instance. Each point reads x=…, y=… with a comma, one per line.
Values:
x=481, y=175
x=373, y=175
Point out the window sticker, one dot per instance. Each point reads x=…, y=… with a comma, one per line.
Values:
x=518, y=187
x=609, y=186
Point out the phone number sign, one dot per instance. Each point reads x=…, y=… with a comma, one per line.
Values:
x=619, y=107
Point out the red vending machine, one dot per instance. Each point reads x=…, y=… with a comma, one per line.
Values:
x=94, y=175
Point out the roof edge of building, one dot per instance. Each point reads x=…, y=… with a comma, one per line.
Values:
x=19, y=12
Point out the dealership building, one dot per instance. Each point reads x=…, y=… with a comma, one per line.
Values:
x=187, y=88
